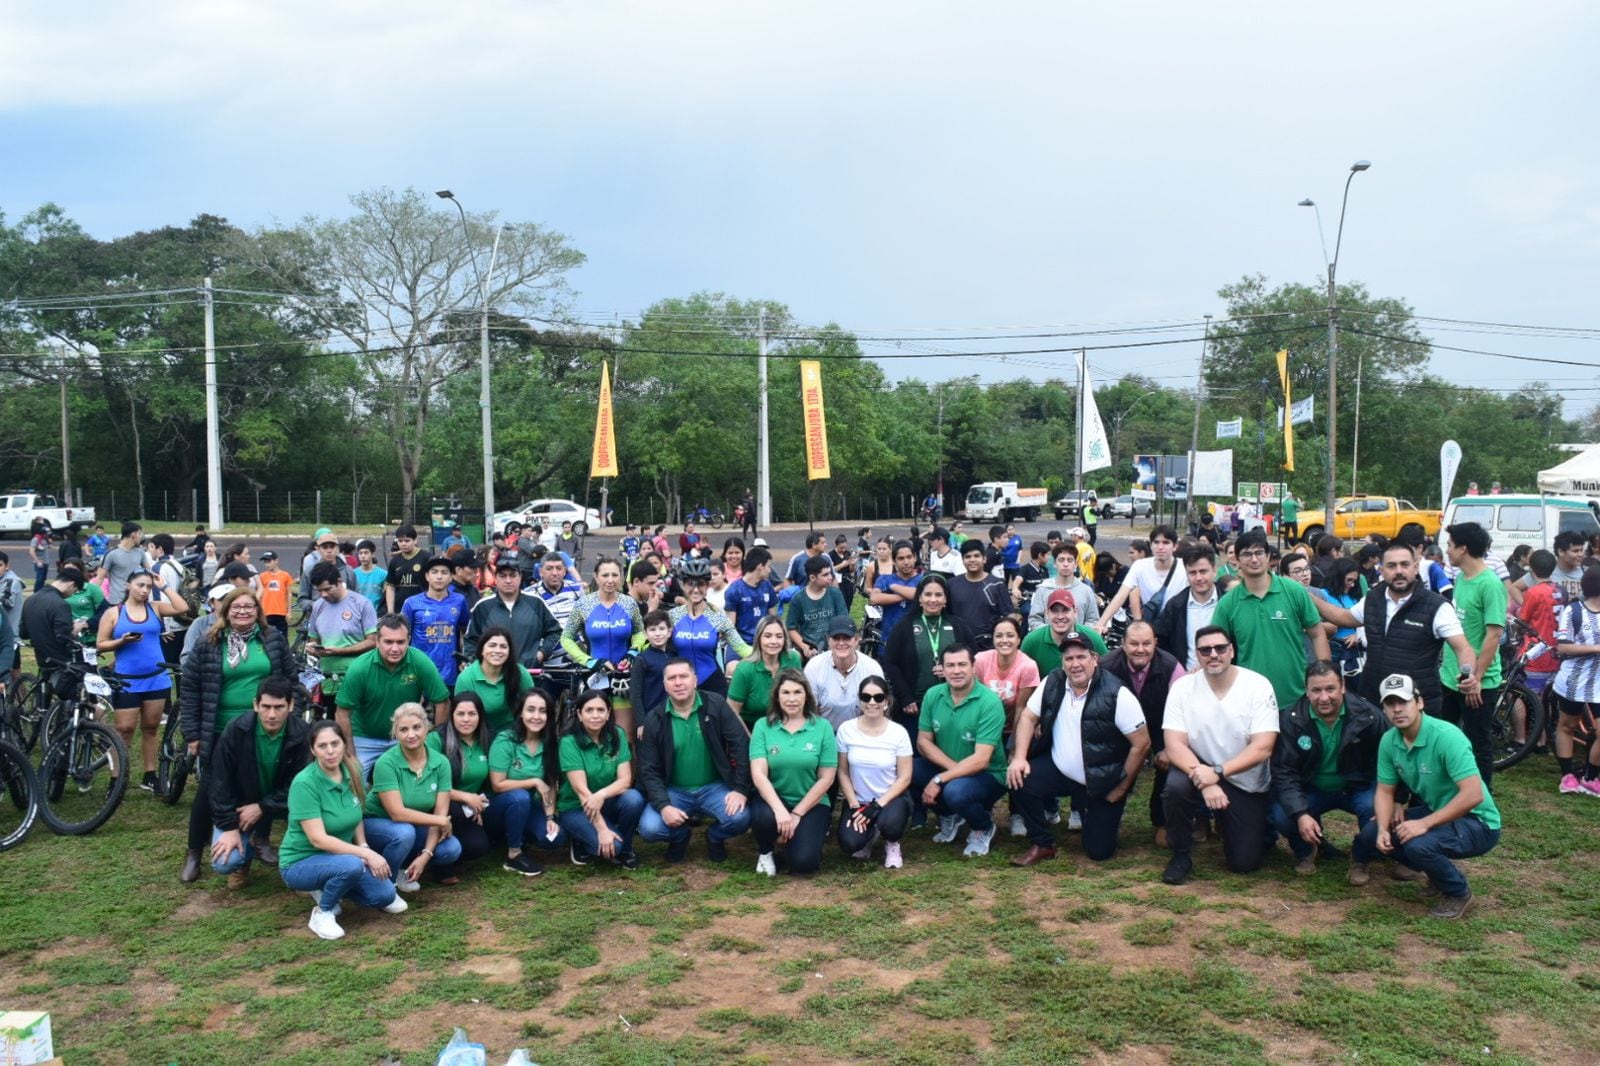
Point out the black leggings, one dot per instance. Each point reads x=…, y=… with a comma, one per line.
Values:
x=804, y=850
x=474, y=840
x=200, y=818
x=891, y=825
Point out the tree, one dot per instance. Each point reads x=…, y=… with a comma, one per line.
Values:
x=397, y=282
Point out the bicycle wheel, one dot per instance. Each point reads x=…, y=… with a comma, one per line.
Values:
x=172, y=765
x=19, y=796
x=85, y=775
x=22, y=714
x=1517, y=707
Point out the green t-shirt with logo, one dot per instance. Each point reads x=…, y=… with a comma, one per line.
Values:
x=268, y=750
x=313, y=796
x=795, y=759
x=1328, y=778
x=510, y=756
x=691, y=756
x=1431, y=766
x=474, y=763
x=418, y=791
x=372, y=690
x=1480, y=602
x=958, y=729
x=599, y=768
x=1269, y=633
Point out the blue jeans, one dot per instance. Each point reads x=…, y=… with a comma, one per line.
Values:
x=400, y=842
x=967, y=797
x=338, y=877
x=518, y=817
x=1318, y=804
x=621, y=815
x=708, y=801
x=1432, y=851
x=367, y=751
x=236, y=859
x=40, y=574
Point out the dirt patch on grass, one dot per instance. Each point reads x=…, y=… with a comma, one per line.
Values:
x=200, y=904
x=494, y=969
x=499, y=1031
x=1536, y=1041
x=220, y=1015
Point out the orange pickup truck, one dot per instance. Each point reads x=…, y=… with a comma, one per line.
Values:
x=1356, y=517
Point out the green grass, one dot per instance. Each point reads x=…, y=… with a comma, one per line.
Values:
x=948, y=960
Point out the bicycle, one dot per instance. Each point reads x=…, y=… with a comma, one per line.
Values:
x=22, y=718
x=1517, y=709
x=173, y=761
x=19, y=801
x=83, y=751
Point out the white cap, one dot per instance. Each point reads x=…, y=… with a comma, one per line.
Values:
x=1397, y=687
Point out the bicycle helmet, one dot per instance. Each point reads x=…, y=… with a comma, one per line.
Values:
x=695, y=568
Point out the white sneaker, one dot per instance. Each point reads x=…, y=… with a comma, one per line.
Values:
x=316, y=899
x=891, y=855
x=324, y=924
x=766, y=864
x=408, y=886
x=1018, y=829
x=978, y=841
x=1075, y=822
x=1055, y=817
x=949, y=826
x=396, y=906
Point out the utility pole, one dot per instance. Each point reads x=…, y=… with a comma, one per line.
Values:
x=1077, y=451
x=66, y=443
x=213, y=431
x=940, y=387
x=763, y=470
x=1199, y=398
x=483, y=385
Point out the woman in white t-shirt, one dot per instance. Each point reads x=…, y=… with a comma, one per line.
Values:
x=874, y=777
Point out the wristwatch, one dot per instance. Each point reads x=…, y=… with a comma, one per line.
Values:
x=1216, y=768
x=938, y=779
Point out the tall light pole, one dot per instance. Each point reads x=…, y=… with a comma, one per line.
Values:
x=483, y=360
x=1199, y=398
x=1333, y=338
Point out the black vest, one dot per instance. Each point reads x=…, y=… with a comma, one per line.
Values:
x=1105, y=749
x=1157, y=683
x=1407, y=647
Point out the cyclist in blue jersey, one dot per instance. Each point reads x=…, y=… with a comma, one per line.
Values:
x=438, y=616
x=603, y=632
x=698, y=631
x=752, y=596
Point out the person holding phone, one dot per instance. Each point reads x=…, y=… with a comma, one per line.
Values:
x=132, y=633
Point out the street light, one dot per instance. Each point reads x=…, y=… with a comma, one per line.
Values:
x=1333, y=335
x=483, y=359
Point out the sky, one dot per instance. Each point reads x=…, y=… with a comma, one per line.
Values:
x=929, y=170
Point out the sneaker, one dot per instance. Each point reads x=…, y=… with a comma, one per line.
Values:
x=316, y=898
x=1074, y=822
x=1590, y=786
x=1055, y=817
x=579, y=857
x=766, y=864
x=949, y=826
x=324, y=924
x=1178, y=870
x=864, y=853
x=408, y=886
x=1451, y=907
x=148, y=783
x=396, y=906
x=1358, y=875
x=1018, y=828
x=1570, y=784
x=891, y=855
x=1307, y=866
x=628, y=860
x=978, y=841
x=523, y=864
x=716, y=850
x=678, y=850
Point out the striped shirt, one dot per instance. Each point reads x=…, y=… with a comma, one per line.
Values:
x=1578, y=679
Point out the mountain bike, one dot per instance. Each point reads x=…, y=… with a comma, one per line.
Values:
x=84, y=774
x=1517, y=721
x=19, y=796
x=22, y=716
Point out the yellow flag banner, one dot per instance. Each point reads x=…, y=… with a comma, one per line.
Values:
x=816, y=424
x=1288, y=424
x=603, y=462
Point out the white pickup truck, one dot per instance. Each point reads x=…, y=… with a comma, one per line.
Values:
x=21, y=508
x=1003, y=501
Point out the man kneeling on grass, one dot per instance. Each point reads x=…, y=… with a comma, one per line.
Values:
x=1452, y=815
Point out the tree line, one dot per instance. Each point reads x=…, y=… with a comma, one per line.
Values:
x=348, y=348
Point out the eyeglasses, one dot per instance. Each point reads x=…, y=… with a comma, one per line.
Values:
x=1256, y=553
x=874, y=697
x=1211, y=650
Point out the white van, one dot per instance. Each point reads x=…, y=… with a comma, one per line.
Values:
x=1515, y=520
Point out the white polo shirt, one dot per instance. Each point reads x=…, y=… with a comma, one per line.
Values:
x=1219, y=729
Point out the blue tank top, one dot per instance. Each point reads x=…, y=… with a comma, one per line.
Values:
x=609, y=631
x=696, y=640
x=142, y=657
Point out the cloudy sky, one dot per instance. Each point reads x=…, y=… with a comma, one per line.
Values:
x=911, y=169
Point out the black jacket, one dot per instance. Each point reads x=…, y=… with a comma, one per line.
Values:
x=900, y=653
x=201, y=689
x=1153, y=696
x=1172, y=626
x=1298, y=754
x=234, y=780
x=47, y=625
x=1105, y=747
x=534, y=629
x=726, y=738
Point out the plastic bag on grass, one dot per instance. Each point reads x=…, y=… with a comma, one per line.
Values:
x=461, y=1052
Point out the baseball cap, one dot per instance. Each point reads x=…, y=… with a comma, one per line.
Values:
x=1060, y=596
x=1076, y=640
x=760, y=543
x=439, y=561
x=1397, y=687
x=235, y=571
x=1078, y=531
x=323, y=532
x=220, y=593
x=842, y=627
x=268, y=556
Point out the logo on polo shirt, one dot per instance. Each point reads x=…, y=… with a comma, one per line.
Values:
x=772, y=749
x=810, y=746
x=1305, y=743
x=968, y=737
x=1278, y=616
x=346, y=615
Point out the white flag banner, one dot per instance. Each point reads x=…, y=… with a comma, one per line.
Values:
x=1301, y=411
x=1232, y=429
x=1449, y=460
x=1211, y=473
x=1094, y=449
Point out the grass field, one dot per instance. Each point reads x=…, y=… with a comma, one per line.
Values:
x=948, y=960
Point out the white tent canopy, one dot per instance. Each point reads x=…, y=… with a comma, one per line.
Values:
x=1578, y=476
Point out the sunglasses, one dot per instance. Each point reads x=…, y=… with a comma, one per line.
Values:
x=874, y=697
x=1211, y=650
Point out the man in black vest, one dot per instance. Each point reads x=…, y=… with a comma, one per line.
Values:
x=1326, y=759
x=1148, y=672
x=1083, y=735
x=1406, y=625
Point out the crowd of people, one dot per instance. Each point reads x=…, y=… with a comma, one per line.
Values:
x=502, y=701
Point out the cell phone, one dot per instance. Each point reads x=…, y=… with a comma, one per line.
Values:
x=135, y=636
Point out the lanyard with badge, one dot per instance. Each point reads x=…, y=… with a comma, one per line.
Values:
x=935, y=633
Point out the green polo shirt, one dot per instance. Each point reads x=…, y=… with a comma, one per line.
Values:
x=794, y=760
x=509, y=756
x=600, y=769
x=959, y=728
x=312, y=795
x=239, y=683
x=372, y=690
x=751, y=685
x=1432, y=765
x=474, y=762
x=418, y=791
x=1040, y=645
x=1328, y=778
x=493, y=693
x=1480, y=602
x=691, y=756
x=1289, y=509
x=268, y=750
x=1269, y=633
